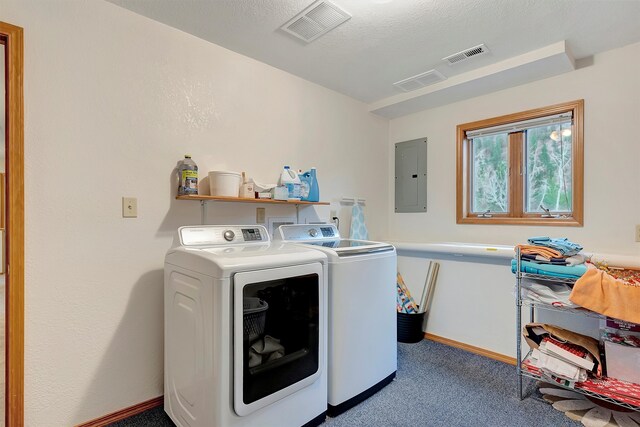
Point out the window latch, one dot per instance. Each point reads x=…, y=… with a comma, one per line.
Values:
x=486, y=214
x=547, y=213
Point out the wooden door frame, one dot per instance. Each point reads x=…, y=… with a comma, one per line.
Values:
x=14, y=168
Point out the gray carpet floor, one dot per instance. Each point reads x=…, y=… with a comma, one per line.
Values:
x=436, y=385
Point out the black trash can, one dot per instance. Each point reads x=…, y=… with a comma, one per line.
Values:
x=410, y=327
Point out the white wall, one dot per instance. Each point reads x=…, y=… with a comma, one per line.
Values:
x=610, y=89
x=473, y=301
x=473, y=297
x=113, y=100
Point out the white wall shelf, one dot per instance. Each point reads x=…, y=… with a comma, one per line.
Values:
x=204, y=199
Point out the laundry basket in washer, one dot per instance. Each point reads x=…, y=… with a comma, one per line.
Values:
x=254, y=311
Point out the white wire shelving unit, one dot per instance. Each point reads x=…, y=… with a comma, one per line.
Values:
x=521, y=369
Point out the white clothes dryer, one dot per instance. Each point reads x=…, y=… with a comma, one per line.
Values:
x=362, y=349
x=245, y=330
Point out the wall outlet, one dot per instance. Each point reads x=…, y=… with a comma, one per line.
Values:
x=260, y=214
x=638, y=233
x=129, y=207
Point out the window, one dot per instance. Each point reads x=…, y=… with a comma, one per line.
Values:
x=524, y=168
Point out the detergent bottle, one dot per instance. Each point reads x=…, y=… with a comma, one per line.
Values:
x=291, y=180
x=309, y=186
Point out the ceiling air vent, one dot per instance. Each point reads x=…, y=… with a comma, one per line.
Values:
x=466, y=54
x=316, y=20
x=419, y=81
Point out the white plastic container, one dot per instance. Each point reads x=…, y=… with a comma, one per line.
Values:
x=290, y=179
x=224, y=183
x=247, y=191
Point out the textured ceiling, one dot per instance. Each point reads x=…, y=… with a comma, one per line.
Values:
x=387, y=41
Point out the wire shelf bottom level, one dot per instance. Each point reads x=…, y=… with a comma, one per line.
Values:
x=577, y=389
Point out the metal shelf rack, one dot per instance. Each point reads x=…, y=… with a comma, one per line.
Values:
x=533, y=305
x=578, y=389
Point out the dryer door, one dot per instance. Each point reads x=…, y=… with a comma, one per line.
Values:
x=278, y=329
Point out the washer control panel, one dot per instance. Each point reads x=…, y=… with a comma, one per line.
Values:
x=329, y=231
x=307, y=232
x=222, y=235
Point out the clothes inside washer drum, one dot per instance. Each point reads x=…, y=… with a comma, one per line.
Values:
x=265, y=350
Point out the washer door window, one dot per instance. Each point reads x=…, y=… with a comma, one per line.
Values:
x=278, y=318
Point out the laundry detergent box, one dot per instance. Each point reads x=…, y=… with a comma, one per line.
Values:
x=622, y=350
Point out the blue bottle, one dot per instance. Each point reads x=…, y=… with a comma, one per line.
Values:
x=310, y=189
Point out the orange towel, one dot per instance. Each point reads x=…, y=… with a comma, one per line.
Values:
x=539, y=250
x=600, y=292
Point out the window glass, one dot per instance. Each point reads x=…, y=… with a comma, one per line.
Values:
x=490, y=170
x=523, y=168
x=549, y=168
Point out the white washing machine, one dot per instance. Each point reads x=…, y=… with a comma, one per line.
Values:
x=245, y=330
x=362, y=352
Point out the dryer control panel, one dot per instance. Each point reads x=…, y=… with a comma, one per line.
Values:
x=222, y=235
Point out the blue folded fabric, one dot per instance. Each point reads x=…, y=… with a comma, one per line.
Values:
x=565, y=271
x=562, y=245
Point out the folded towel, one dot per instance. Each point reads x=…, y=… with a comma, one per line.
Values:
x=562, y=245
x=564, y=271
x=543, y=251
x=539, y=259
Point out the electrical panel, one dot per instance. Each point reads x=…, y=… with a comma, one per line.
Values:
x=411, y=176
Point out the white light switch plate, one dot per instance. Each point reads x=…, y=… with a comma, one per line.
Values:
x=129, y=207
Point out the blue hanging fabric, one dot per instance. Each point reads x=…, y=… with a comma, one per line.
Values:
x=358, y=229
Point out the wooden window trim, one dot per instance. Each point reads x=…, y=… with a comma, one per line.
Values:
x=14, y=288
x=516, y=215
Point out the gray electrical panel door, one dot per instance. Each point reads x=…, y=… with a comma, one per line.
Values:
x=411, y=176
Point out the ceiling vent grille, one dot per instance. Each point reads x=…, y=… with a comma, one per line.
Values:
x=419, y=81
x=466, y=54
x=316, y=20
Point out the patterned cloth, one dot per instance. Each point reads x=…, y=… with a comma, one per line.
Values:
x=358, y=229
